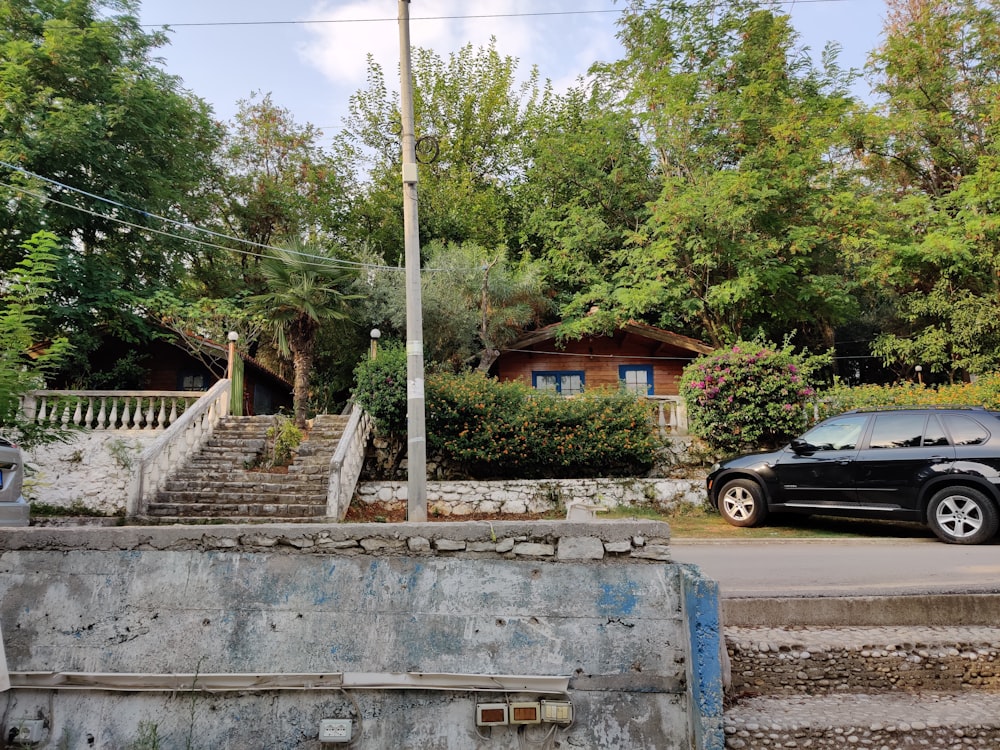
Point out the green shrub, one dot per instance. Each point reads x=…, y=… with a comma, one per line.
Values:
x=840, y=398
x=381, y=388
x=494, y=429
x=750, y=395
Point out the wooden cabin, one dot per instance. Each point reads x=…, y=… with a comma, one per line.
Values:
x=646, y=359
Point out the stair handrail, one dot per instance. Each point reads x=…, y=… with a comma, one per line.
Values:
x=171, y=449
x=347, y=462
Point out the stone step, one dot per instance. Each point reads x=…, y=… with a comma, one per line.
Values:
x=273, y=511
x=213, y=498
x=236, y=519
x=819, y=660
x=886, y=721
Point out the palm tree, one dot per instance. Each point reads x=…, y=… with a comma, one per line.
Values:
x=304, y=289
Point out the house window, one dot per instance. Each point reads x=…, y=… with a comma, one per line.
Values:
x=637, y=378
x=565, y=382
x=190, y=381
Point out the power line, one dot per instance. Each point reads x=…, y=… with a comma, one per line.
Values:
x=455, y=17
x=321, y=260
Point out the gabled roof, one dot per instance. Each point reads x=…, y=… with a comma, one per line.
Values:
x=638, y=329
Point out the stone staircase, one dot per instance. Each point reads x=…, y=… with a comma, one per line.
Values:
x=881, y=686
x=217, y=487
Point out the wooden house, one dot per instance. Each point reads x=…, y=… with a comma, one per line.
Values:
x=644, y=358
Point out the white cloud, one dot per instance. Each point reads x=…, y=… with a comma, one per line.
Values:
x=562, y=46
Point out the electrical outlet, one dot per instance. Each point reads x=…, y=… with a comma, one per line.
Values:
x=25, y=731
x=335, y=730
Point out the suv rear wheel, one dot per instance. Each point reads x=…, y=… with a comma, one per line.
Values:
x=962, y=515
x=741, y=503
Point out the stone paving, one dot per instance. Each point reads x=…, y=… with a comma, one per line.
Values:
x=890, y=721
x=886, y=688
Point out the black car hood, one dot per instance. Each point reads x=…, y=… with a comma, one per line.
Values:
x=750, y=459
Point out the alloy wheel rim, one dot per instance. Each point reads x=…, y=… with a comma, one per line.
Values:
x=739, y=503
x=959, y=516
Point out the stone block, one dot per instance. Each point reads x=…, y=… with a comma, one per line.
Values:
x=580, y=548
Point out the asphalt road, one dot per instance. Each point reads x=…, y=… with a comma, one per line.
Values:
x=867, y=567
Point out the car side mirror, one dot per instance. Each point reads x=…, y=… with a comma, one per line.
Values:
x=801, y=446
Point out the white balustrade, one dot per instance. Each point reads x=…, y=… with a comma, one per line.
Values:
x=100, y=410
x=671, y=415
x=184, y=436
x=347, y=462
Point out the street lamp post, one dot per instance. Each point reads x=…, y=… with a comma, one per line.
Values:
x=376, y=334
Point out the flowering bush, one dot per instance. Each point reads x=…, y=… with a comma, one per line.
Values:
x=750, y=395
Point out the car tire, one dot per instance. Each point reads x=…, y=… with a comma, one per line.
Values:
x=741, y=503
x=962, y=515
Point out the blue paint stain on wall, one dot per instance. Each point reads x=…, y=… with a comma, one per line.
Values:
x=618, y=599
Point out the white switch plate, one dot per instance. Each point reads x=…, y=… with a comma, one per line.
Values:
x=335, y=730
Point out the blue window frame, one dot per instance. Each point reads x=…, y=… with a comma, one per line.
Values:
x=564, y=382
x=637, y=378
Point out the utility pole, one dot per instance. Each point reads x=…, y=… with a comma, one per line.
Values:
x=416, y=440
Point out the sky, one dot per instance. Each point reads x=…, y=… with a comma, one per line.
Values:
x=224, y=50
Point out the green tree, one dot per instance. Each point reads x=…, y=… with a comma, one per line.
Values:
x=87, y=105
x=276, y=184
x=304, y=289
x=933, y=154
x=754, y=202
x=26, y=291
x=89, y=114
x=586, y=192
x=474, y=303
x=472, y=116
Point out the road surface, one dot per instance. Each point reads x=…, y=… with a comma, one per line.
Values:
x=867, y=567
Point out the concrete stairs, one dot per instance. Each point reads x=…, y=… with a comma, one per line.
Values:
x=854, y=681
x=217, y=485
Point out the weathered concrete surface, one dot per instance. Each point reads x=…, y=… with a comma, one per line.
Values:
x=215, y=599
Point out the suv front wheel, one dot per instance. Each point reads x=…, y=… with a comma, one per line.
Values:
x=962, y=515
x=741, y=503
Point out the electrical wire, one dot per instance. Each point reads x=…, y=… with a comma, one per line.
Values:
x=456, y=17
x=323, y=261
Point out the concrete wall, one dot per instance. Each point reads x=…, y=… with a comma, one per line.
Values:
x=598, y=603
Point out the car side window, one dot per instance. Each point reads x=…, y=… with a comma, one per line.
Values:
x=934, y=433
x=965, y=430
x=837, y=434
x=898, y=430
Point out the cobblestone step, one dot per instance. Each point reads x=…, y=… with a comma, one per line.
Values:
x=817, y=660
x=885, y=721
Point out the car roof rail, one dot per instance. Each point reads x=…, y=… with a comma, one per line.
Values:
x=916, y=407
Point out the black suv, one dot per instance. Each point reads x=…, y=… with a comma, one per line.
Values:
x=938, y=466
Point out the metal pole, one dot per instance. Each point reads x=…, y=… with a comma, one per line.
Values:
x=416, y=471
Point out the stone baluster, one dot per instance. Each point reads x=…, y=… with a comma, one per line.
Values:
x=173, y=411
x=102, y=414
x=672, y=405
x=78, y=412
x=67, y=409
x=41, y=410
x=113, y=418
x=161, y=417
x=90, y=413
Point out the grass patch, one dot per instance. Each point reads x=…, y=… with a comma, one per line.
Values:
x=702, y=522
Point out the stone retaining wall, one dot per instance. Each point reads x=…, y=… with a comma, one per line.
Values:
x=92, y=469
x=461, y=498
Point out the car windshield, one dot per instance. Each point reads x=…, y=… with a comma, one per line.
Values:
x=837, y=434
